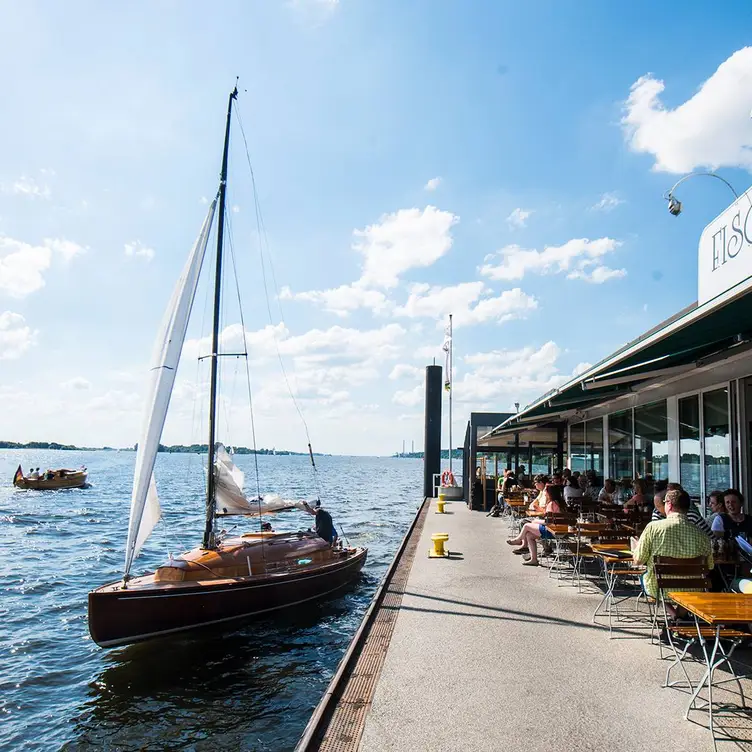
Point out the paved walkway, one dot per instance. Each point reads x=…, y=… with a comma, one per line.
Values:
x=489, y=655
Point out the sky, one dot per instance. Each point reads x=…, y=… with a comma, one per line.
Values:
x=503, y=162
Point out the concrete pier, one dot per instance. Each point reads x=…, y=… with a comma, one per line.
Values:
x=486, y=654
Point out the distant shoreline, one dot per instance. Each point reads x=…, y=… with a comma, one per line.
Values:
x=169, y=449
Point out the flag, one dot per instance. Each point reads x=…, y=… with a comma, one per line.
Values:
x=447, y=348
x=18, y=476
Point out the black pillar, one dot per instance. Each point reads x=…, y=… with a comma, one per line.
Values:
x=560, y=437
x=432, y=441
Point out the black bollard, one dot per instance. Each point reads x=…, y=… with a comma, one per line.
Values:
x=432, y=442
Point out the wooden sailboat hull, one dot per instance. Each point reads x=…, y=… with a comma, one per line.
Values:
x=120, y=617
x=75, y=479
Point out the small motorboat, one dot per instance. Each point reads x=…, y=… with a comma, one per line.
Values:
x=51, y=480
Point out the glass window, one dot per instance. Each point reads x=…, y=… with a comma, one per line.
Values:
x=689, y=444
x=651, y=440
x=577, y=459
x=715, y=422
x=594, y=444
x=620, y=445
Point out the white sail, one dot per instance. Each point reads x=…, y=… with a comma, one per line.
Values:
x=230, y=497
x=145, y=511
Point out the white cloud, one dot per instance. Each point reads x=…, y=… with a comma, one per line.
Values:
x=518, y=218
x=15, y=336
x=497, y=374
x=432, y=184
x=577, y=253
x=580, y=368
x=341, y=300
x=406, y=371
x=427, y=352
x=22, y=265
x=409, y=397
x=203, y=200
x=27, y=187
x=496, y=379
x=78, y=383
x=235, y=209
x=260, y=343
x=607, y=202
x=598, y=275
x=137, y=249
x=711, y=129
x=469, y=302
x=116, y=402
x=406, y=239
x=311, y=349
x=398, y=242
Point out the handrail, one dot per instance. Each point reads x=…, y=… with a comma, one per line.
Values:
x=314, y=722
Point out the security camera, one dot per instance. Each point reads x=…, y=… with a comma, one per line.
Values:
x=674, y=206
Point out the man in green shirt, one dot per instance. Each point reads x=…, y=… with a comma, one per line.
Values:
x=675, y=536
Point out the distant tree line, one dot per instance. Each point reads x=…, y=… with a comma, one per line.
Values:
x=175, y=448
x=52, y=445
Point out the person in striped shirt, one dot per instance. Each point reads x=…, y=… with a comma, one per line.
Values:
x=693, y=515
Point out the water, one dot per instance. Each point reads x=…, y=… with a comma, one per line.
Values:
x=251, y=687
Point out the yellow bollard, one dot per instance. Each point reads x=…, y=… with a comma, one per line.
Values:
x=438, y=551
x=440, y=505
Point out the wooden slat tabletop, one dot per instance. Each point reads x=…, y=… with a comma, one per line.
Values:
x=717, y=608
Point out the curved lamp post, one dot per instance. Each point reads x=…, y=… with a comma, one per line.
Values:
x=675, y=206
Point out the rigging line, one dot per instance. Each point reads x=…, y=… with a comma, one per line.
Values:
x=264, y=240
x=248, y=382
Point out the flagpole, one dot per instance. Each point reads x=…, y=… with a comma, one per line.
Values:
x=451, y=384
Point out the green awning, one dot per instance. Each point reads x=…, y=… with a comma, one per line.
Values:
x=695, y=337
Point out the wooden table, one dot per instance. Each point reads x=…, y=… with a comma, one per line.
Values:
x=717, y=610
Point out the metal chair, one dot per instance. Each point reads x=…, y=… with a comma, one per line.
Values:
x=690, y=574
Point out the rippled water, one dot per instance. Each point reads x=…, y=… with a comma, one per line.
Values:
x=252, y=687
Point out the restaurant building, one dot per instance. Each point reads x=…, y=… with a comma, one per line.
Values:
x=675, y=403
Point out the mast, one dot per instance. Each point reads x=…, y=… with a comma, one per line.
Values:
x=208, y=541
x=451, y=389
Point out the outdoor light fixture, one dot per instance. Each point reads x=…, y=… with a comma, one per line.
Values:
x=675, y=206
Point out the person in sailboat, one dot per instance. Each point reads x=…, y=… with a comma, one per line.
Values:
x=324, y=523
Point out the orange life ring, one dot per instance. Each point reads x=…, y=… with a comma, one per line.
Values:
x=447, y=478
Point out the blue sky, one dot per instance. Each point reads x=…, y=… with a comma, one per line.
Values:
x=412, y=158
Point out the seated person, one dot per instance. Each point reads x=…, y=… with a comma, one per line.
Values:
x=693, y=515
x=733, y=521
x=531, y=531
x=639, y=497
x=593, y=488
x=715, y=501
x=522, y=479
x=34, y=474
x=539, y=502
x=572, y=490
x=606, y=496
x=674, y=536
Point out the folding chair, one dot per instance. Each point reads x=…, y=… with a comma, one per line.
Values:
x=690, y=574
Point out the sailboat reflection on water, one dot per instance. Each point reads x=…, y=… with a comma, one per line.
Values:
x=226, y=578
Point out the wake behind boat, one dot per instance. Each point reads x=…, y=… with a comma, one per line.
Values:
x=226, y=578
x=50, y=480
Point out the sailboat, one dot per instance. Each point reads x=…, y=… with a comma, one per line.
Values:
x=225, y=579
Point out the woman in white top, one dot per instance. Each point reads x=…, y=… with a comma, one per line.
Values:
x=572, y=491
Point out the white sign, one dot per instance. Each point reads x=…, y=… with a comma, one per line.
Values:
x=725, y=251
